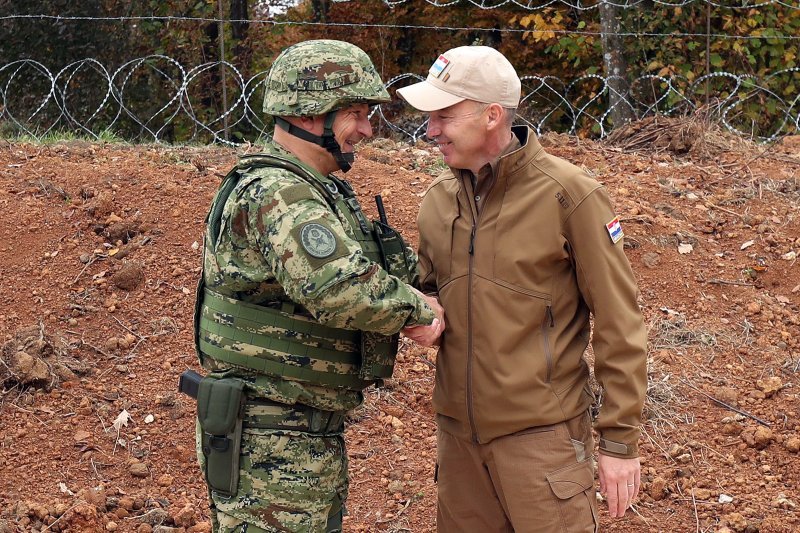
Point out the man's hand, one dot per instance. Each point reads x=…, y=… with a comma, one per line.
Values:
x=619, y=482
x=427, y=335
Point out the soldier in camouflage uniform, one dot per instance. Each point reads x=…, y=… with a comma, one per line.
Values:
x=301, y=297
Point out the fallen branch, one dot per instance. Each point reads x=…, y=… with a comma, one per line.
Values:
x=729, y=282
x=727, y=406
x=715, y=206
x=88, y=264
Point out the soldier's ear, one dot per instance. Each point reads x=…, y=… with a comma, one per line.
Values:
x=307, y=123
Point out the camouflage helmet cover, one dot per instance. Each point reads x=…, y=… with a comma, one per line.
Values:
x=316, y=77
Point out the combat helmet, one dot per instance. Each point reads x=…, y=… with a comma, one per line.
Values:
x=319, y=77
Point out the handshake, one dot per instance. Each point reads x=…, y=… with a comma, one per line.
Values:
x=427, y=335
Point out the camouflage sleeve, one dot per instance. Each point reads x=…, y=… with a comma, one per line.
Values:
x=321, y=267
x=413, y=271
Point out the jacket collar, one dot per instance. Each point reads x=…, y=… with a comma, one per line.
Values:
x=511, y=161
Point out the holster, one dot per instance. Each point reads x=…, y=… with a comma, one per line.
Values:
x=220, y=409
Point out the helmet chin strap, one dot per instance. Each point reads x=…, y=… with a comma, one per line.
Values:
x=326, y=140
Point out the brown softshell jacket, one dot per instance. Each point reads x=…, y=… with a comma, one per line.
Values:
x=518, y=282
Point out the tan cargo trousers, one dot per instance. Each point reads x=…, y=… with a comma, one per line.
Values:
x=538, y=480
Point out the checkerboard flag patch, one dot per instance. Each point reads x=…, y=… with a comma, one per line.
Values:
x=614, y=230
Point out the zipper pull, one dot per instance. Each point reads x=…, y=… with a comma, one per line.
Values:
x=549, y=314
x=472, y=241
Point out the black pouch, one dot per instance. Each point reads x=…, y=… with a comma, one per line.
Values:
x=220, y=406
x=393, y=251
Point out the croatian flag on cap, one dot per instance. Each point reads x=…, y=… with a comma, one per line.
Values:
x=439, y=66
x=614, y=230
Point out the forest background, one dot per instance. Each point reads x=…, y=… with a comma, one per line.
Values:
x=707, y=52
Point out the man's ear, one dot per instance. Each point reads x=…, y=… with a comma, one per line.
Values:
x=494, y=116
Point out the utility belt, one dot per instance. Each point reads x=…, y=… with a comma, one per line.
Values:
x=223, y=411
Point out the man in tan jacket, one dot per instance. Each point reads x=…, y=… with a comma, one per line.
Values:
x=521, y=247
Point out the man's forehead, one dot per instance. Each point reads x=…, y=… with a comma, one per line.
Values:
x=463, y=105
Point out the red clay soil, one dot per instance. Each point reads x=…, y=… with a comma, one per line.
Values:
x=99, y=255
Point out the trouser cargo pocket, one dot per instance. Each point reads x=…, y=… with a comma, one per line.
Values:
x=573, y=487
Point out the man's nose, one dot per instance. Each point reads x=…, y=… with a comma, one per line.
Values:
x=433, y=130
x=365, y=128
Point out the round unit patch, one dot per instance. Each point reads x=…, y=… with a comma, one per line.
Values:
x=317, y=240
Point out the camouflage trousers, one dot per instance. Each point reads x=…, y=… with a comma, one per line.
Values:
x=288, y=482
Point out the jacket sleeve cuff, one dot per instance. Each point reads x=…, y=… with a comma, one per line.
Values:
x=619, y=449
x=422, y=315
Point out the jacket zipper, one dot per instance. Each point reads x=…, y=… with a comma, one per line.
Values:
x=547, y=324
x=475, y=221
x=470, y=413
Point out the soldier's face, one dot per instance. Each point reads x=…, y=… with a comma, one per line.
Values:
x=352, y=126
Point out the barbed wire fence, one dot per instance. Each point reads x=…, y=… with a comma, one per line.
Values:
x=87, y=97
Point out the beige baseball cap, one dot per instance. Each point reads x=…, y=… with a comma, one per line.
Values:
x=477, y=73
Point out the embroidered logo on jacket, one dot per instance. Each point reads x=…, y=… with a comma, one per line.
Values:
x=615, y=230
x=562, y=200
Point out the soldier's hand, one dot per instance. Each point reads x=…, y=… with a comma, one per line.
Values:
x=428, y=335
x=425, y=335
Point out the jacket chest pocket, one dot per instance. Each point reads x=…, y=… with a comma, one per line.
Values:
x=529, y=251
x=439, y=241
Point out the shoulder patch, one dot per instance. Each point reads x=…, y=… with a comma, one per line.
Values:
x=614, y=230
x=317, y=240
x=296, y=193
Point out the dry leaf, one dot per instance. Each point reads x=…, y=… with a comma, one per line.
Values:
x=782, y=299
x=121, y=420
x=746, y=245
x=113, y=252
x=63, y=488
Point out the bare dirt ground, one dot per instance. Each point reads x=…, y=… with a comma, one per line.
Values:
x=99, y=256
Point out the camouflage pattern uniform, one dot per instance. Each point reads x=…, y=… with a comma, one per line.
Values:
x=281, y=245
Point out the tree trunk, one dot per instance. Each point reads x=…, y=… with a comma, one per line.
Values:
x=321, y=8
x=614, y=66
x=241, y=51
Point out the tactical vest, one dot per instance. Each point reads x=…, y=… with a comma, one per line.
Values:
x=284, y=344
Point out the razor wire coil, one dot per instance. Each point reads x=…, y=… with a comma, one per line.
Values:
x=86, y=97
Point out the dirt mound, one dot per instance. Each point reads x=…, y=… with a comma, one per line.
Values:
x=694, y=135
x=33, y=358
